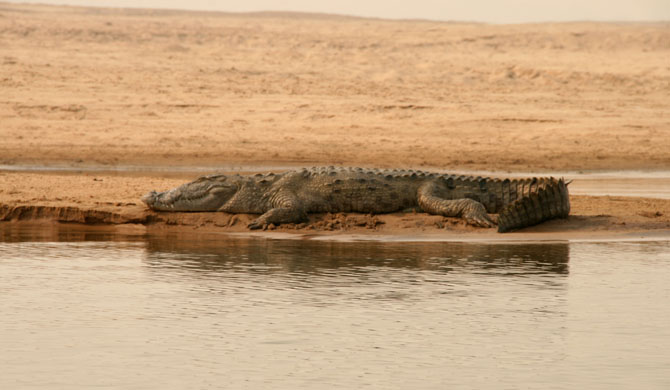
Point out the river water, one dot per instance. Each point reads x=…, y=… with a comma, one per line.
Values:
x=96, y=309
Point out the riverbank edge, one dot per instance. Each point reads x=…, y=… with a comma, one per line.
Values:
x=581, y=225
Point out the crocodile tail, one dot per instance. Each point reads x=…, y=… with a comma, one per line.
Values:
x=549, y=202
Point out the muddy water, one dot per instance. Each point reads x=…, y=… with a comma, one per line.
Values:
x=93, y=309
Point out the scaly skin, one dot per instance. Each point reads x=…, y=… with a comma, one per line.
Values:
x=288, y=197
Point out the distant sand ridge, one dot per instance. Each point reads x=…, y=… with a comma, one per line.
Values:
x=84, y=86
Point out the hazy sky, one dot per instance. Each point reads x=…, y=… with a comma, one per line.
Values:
x=494, y=11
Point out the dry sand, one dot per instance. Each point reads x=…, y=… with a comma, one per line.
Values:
x=85, y=87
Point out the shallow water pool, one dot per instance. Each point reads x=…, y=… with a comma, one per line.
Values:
x=85, y=309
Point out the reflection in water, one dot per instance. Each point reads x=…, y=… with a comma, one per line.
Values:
x=318, y=257
x=85, y=308
x=345, y=274
x=218, y=252
x=50, y=232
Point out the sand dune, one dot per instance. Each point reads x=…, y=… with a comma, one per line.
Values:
x=85, y=86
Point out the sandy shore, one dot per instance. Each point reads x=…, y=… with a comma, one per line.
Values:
x=114, y=200
x=84, y=87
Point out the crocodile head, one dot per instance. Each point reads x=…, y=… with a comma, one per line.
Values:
x=207, y=193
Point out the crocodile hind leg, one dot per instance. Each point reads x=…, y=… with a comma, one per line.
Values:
x=472, y=211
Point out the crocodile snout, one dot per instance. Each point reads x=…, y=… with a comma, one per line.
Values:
x=150, y=198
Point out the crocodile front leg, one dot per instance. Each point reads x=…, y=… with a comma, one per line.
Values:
x=472, y=211
x=278, y=216
x=285, y=209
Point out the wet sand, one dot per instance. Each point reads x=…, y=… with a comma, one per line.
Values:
x=165, y=90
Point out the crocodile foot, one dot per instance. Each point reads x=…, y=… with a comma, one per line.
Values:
x=477, y=216
x=256, y=224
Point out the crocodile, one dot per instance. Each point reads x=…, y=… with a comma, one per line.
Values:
x=288, y=197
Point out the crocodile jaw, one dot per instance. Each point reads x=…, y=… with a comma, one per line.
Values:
x=185, y=199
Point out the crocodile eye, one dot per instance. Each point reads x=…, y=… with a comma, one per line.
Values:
x=217, y=190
